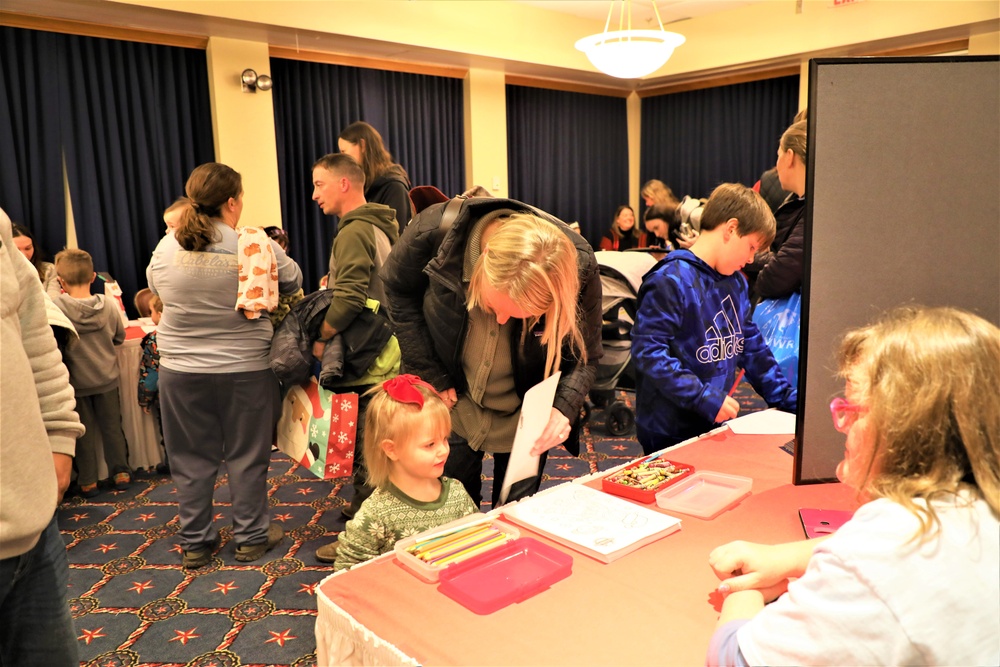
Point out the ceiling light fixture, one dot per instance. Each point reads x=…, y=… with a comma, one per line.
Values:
x=627, y=53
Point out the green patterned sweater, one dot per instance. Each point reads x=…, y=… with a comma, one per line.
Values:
x=389, y=515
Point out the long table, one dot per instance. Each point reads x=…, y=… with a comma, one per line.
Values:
x=655, y=606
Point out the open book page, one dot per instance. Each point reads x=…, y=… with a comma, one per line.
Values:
x=590, y=521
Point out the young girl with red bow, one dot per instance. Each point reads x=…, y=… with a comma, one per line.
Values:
x=405, y=448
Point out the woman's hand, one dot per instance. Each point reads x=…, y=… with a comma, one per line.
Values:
x=730, y=408
x=744, y=566
x=555, y=433
x=449, y=396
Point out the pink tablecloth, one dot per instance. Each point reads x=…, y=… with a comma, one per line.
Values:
x=655, y=606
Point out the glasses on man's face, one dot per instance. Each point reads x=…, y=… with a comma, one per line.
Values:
x=845, y=413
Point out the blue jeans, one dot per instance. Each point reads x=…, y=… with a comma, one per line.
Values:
x=36, y=628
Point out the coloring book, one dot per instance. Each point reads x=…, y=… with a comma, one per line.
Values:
x=592, y=522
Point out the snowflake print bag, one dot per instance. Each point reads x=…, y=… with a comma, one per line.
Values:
x=317, y=429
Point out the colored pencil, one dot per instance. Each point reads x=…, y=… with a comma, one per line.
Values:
x=736, y=384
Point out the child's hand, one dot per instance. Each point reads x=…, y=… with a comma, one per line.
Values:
x=730, y=408
x=146, y=409
x=767, y=568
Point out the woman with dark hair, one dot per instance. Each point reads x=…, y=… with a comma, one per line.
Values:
x=25, y=242
x=219, y=398
x=385, y=181
x=624, y=233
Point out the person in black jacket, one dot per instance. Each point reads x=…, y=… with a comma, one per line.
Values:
x=385, y=181
x=779, y=271
x=486, y=308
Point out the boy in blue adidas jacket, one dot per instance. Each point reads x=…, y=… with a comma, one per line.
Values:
x=693, y=330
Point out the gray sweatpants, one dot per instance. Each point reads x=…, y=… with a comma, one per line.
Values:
x=209, y=418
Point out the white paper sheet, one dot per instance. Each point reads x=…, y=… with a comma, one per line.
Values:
x=765, y=422
x=535, y=412
x=593, y=522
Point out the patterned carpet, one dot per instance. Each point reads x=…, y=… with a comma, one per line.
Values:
x=133, y=603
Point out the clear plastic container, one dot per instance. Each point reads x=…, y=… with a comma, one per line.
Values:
x=430, y=573
x=704, y=494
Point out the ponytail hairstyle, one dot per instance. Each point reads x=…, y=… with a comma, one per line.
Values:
x=534, y=263
x=209, y=187
x=794, y=139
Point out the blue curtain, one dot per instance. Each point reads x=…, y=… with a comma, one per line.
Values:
x=31, y=174
x=695, y=140
x=132, y=121
x=567, y=154
x=420, y=118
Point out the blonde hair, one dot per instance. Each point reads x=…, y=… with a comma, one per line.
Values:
x=662, y=196
x=389, y=419
x=208, y=188
x=156, y=303
x=534, y=263
x=930, y=378
x=74, y=266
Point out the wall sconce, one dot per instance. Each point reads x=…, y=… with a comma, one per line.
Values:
x=252, y=82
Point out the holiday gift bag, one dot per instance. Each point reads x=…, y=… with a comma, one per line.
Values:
x=317, y=429
x=778, y=321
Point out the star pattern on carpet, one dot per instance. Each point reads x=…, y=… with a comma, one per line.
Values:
x=184, y=636
x=90, y=635
x=140, y=587
x=280, y=638
x=224, y=588
x=229, y=612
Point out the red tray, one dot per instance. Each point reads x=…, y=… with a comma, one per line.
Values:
x=641, y=494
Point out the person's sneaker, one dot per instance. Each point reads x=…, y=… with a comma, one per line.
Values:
x=123, y=481
x=249, y=552
x=328, y=553
x=89, y=490
x=195, y=558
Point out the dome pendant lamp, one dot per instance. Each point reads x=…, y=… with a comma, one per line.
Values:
x=627, y=53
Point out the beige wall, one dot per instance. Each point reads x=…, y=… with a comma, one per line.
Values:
x=244, y=126
x=485, y=99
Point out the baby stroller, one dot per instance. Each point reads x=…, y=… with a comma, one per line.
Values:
x=621, y=276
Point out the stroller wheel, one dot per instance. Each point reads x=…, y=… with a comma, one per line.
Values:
x=620, y=419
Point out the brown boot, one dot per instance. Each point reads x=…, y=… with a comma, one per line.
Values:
x=328, y=554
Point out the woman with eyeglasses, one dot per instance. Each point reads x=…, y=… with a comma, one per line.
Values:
x=912, y=578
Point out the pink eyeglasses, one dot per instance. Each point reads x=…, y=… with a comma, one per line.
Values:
x=845, y=413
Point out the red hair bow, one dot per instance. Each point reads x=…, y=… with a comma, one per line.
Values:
x=403, y=388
